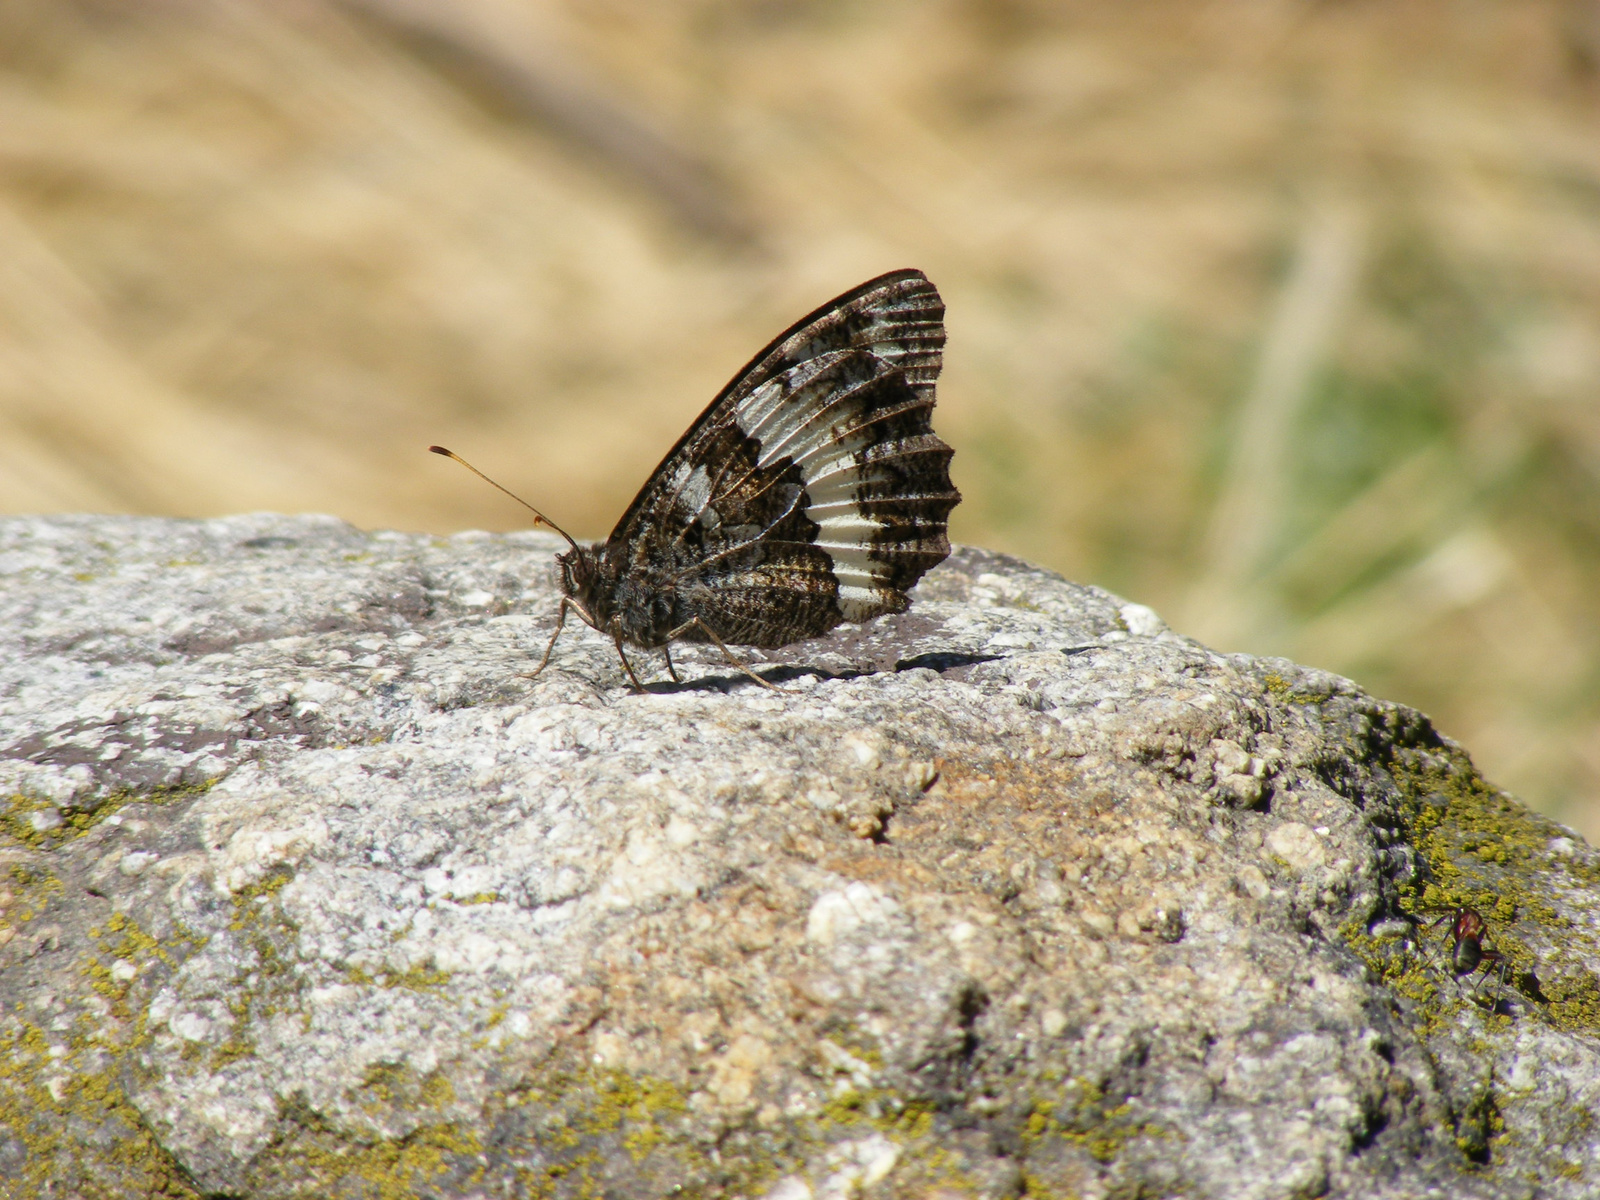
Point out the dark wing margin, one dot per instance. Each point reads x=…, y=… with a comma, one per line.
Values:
x=898, y=317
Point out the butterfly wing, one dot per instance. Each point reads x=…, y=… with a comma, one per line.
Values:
x=811, y=490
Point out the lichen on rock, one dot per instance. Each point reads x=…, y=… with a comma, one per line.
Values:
x=308, y=889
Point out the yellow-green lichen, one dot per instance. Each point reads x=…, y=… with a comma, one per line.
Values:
x=18, y=827
x=1416, y=967
x=476, y=898
x=315, y=1160
x=575, y=1113
x=43, y=1094
x=133, y=943
x=1479, y=1126
x=268, y=886
x=1278, y=686
x=125, y=942
x=858, y=1046
x=909, y=1123
x=1486, y=851
x=1086, y=1120
x=27, y=891
x=1476, y=848
x=69, y=1075
x=396, y=1086
x=572, y=1123
x=637, y=1104
x=420, y=978
x=1404, y=973
x=882, y=1108
x=268, y=984
x=1080, y=1119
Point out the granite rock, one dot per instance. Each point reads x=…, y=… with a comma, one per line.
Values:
x=308, y=889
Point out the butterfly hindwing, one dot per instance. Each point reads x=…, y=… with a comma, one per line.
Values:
x=811, y=490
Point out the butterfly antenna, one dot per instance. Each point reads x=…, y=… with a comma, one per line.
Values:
x=539, y=517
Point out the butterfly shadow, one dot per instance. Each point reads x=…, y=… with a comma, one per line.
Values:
x=782, y=673
x=943, y=660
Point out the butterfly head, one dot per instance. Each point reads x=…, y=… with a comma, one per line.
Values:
x=580, y=576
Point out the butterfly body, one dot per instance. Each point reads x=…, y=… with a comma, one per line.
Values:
x=810, y=492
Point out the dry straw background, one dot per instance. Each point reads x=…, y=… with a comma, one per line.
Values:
x=1282, y=317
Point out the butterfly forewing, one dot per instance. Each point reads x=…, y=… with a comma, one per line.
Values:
x=898, y=318
x=812, y=490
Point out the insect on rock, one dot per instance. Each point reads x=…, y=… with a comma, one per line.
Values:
x=811, y=491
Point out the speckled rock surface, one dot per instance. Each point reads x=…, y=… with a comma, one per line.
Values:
x=309, y=891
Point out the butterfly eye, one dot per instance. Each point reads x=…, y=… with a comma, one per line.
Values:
x=575, y=570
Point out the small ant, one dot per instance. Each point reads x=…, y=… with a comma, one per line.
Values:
x=1467, y=955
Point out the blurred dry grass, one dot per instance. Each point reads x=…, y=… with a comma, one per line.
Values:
x=1283, y=317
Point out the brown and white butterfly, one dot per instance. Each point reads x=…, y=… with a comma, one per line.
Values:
x=811, y=491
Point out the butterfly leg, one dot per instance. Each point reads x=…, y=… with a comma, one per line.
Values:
x=561, y=621
x=697, y=623
x=671, y=670
x=626, y=665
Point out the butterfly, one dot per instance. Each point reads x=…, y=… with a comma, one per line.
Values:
x=811, y=491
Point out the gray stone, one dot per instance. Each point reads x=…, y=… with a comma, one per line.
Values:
x=309, y=890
